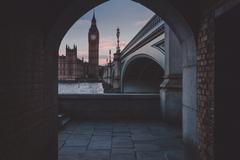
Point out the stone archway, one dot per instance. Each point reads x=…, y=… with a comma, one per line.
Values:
x=182, y=25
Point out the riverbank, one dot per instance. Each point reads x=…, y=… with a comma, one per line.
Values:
x=80, y=88
x=81, y=81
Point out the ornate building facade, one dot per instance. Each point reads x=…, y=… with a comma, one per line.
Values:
x=71, y=68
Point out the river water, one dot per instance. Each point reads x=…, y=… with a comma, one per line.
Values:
x=80, y=88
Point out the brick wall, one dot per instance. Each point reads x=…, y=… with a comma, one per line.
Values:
x=206, y=60
x=205, y=90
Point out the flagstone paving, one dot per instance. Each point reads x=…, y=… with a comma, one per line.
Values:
x=120, y=141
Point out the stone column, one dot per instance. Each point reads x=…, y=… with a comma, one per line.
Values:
x=116, y=75
x=171, y=87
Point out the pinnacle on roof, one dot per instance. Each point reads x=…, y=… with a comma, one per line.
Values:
x=93, y=18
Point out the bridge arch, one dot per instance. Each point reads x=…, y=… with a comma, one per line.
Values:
x=137, y=74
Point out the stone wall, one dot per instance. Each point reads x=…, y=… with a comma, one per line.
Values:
x=171, y=87
x=27, y=90
x=111, y=106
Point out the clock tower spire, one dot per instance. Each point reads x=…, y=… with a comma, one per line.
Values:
x=93, y=49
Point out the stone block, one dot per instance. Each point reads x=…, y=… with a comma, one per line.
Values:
x=189, y=52
x=95, y=155
x=175, y=155
x=71, y=150
x=171, y=105
x=150, y=156
x=144, y=137
x=189, y=125
x=100, y=142
x=122, y=142
x=190, y=87
x=121, y=134
x=123, y=155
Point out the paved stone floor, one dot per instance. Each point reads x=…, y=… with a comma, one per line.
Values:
x=120, y=141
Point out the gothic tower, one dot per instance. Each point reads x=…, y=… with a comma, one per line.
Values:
x=71, y=62
x=93, y=43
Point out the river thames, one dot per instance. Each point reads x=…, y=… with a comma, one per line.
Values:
x=80, y=88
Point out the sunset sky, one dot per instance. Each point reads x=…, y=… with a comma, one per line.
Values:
x=129, y=16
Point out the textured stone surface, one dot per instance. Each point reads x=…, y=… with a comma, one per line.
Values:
x=123, y=155
x=206, y=86
x=150, y=155
x=124, y=141
x=95, y=155
x=100, y=142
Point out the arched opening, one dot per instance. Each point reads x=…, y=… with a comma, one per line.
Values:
x=31, y=35
x=142, y=75
x=184, y=33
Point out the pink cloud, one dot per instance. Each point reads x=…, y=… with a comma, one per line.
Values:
x=106, y=43
x=140, y=23
x=110, y=43
x=102, y=61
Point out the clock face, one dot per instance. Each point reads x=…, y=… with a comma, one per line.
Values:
x=93, y=36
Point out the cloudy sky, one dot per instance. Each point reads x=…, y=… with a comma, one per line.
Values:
x=129, y=16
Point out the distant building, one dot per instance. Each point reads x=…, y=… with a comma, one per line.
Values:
x=71, y=68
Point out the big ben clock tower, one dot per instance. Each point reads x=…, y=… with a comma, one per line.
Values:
x=93, y=43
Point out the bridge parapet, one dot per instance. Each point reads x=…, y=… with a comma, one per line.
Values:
x=151, y=25
x=111, y=106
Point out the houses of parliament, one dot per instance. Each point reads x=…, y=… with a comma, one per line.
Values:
x=71, y=68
